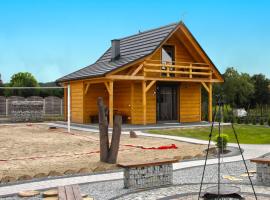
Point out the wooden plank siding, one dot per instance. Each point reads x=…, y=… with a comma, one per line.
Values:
x=94, y=91
x=136, y=105
x=181, y=52
x=190, y=102
x=77, y=102
x=122, y=98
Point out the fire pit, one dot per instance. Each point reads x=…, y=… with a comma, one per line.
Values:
x=194, y=195
x=222, y=192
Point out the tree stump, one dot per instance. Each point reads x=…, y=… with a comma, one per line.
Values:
x=108, y=153
x=103, y=131
x=116, y=134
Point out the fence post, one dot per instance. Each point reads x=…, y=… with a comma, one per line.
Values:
x=6, y=107
x=61, y=107
x=44, y=108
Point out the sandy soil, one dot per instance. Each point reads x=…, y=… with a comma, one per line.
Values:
x=34, y=151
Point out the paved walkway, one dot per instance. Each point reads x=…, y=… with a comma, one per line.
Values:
x=128, y=127
x=250, y=151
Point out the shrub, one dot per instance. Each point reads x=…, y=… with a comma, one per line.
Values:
x=254, y=121
x=246, y=120
x=233, y=119
x=239, y=120
x=221, y=141
x=268, y=121
x=261, y=121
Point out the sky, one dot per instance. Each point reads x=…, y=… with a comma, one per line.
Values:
x=51, y=38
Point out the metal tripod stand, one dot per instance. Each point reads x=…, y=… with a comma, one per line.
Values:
x=221, y=191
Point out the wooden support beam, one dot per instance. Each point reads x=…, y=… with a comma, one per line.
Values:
x=144, y=101
x=210, y=103
x=206, y=87
x=86, y=89
x=137, y=70
x=107, y=87
x=150, y=85
x=190, y=71
x=111, y=103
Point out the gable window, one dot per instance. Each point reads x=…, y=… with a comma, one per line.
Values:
x=168, y=58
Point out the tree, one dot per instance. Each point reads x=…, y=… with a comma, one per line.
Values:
x=262, y=93
x=1, y=85
x=237, y=88
x=22, y=79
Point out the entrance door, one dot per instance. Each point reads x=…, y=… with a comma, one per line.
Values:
x=167, y=108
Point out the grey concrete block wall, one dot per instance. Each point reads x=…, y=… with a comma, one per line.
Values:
x=26, y=111
x=148, y=176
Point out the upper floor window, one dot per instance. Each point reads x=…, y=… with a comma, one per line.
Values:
x=168, y=58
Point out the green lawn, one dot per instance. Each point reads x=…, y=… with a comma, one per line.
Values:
x=247, y=134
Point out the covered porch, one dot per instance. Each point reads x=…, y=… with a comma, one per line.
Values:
x=134, y=96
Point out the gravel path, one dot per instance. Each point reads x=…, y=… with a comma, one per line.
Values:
x=185, y=180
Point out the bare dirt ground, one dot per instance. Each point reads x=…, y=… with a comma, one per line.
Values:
x=33, y=151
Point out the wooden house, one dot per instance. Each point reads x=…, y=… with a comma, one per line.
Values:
x=150, y=77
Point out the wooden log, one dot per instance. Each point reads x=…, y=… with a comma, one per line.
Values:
x=116, y=134
x=103, y=131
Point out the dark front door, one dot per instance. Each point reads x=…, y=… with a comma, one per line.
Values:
x=167, y=108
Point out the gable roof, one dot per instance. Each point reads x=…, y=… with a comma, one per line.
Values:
x=132, y=48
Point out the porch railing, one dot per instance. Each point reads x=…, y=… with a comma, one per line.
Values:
x=158, y=68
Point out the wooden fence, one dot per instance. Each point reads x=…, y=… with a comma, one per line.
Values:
x=52, y=105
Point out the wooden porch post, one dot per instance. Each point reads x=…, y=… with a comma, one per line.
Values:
x=144, y=101
x=111, y=103
x=210, y=103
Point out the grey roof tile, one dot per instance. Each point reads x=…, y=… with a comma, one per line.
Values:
x=132, y=48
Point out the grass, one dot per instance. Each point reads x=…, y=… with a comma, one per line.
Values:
x=247, y=134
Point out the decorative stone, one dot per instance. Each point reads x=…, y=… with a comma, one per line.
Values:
x=52, y=127
x=132, y=134
x=83, y=170
x=29, y=193
x=54, y=173
x=51, y=198
x=24, y=177
x=50, y=193
x=84, y=195
x=177, y=157
x=8, y=179
x=40, y=175
x=187, y=157
x=69, y=172
x=88, y=198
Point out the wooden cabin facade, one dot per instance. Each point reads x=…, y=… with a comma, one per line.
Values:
x=153, y=76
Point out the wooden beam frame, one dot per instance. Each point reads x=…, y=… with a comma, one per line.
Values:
x=86, y=88
x=199, y=50
x=107, y=85
x=206, y=87
x=110, y=85
x=137, y=69
x=136, y=78
x=210, y=103
x=150, y=85
x=144, y=101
